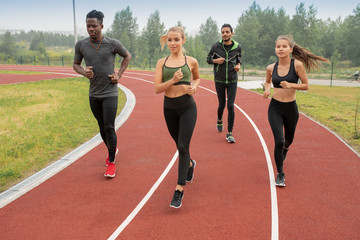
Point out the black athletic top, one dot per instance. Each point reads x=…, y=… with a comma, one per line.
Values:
x=291, y=77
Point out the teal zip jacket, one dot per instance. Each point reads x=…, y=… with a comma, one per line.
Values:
x=225, y=72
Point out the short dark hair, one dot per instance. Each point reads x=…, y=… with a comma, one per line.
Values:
x=228, y=26
x=96, y=14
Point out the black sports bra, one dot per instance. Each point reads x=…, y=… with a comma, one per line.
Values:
x=291, y=77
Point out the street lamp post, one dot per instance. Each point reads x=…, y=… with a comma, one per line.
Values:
x=75, y=32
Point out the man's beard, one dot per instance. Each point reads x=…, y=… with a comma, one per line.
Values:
x=227, y=40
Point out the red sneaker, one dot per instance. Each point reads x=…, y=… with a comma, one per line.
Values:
x=107, y=159
x=110, y=170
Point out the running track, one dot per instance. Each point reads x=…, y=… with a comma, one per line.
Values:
x=232, y=195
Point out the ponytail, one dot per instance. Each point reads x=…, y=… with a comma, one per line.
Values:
x=163, y=41
x=309, y=59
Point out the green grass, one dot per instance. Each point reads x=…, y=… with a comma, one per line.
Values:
x=206, y=76
x=20, y=72
x=41, y=122
x=334, y=107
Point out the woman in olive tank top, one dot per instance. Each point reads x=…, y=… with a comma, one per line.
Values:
x=173, y=78
x=283, y=113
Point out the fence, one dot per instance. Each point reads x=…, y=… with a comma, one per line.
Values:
x=38, y=60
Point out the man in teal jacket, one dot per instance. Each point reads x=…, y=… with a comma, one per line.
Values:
x=225, y=55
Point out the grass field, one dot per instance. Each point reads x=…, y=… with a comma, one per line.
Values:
x=335, y=107
x=41, y=122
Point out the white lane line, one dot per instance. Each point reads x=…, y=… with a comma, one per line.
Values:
x=274, y=206
x=274, y=209
x=144, y=200
x=141, y=204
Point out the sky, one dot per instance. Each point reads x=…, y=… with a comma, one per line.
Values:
x=57, y=15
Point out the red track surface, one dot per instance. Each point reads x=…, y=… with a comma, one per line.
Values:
x=229, y=197
x=56, y=72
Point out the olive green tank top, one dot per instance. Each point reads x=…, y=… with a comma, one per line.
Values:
x=168, y=73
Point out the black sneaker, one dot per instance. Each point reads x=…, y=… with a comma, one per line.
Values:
x=280, y=180
x=230, y=138
x=190, y=174
x=219, y=125
x=177, y=199
x=284, y=153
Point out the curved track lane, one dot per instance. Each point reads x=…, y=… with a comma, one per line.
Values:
x=230, y=197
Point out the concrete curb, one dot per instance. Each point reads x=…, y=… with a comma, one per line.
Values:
x=33, y=181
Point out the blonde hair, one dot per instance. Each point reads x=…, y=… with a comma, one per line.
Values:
x=309, y=59
x=177, y=29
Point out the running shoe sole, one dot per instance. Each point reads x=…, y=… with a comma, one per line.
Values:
x=230, y=140
x=110, y=176
x=280, y=184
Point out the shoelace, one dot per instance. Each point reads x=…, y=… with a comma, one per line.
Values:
x=177, y=195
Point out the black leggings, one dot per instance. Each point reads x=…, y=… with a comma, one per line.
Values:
x=180, y=116
x=104, y=110
x=282, y=116
x=230, y=89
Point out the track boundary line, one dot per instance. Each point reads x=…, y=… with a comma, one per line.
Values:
x=146, y=198
x=142, y=203
x=36, y=179
x=274, y=208
x=268, y=158
x=334, y=133
x=274, y=205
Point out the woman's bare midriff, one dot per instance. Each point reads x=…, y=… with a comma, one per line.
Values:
x=176, y=91
x=284, y=95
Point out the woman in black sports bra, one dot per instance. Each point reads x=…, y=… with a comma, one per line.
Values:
x=283, y=113
x=173, y=77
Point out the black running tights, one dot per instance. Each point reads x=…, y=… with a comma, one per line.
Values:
x=230, y=89
x=104, y=110
x=283, y=118
x=181, y=124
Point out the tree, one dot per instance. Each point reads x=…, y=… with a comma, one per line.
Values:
x=8, y=45
x=125, y=29
x=209, y=33
x=181, y=25
x=352, y=37
x=38, y=44
x=306, y=28
x=331, y=38
x=195, y=48
x=152, y=32
x=247, y=32
x=125, y=39
x=272, y=25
